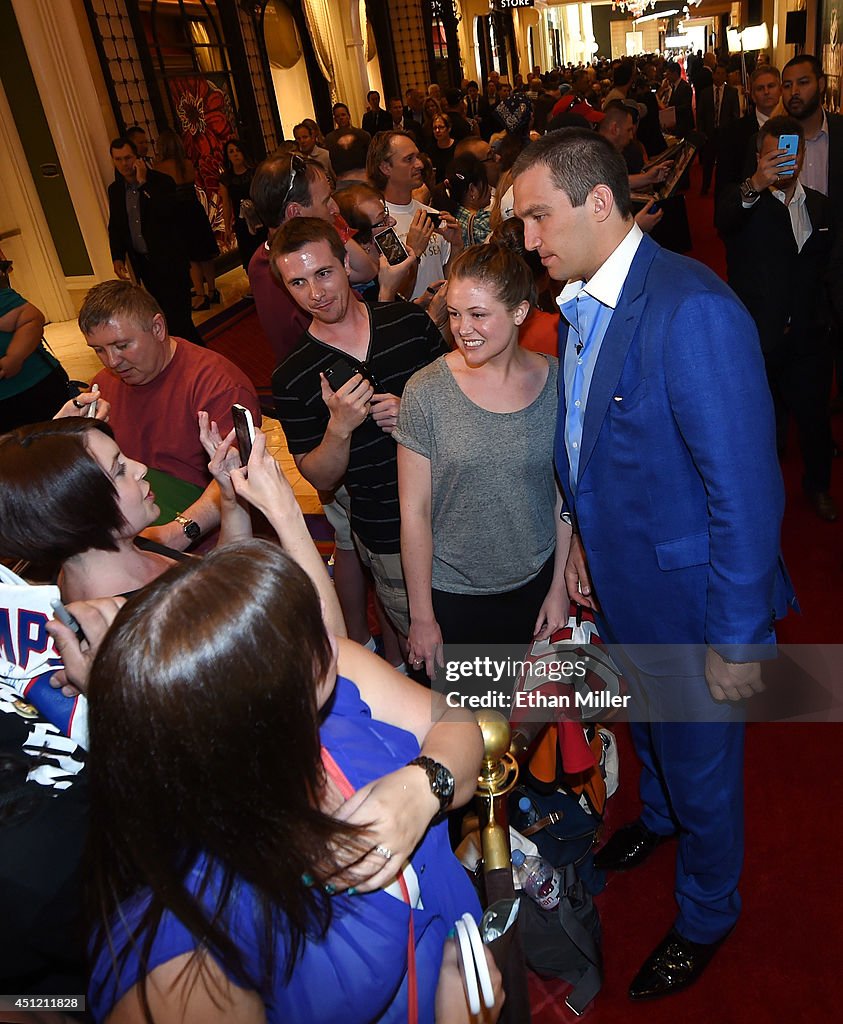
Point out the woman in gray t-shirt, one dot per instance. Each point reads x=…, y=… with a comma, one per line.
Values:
x=481, y=540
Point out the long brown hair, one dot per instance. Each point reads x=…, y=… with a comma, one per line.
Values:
x=205, y=754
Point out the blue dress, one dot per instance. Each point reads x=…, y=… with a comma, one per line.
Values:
x=358, y=974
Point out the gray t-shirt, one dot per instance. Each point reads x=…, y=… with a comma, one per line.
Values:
x=493, y=489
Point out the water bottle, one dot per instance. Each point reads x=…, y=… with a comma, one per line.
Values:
x=537, y=878
x=525, y=805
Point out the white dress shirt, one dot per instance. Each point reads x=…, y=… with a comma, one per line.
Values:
x=799, y=219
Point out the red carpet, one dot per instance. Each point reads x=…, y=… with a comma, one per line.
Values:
x=238, y=337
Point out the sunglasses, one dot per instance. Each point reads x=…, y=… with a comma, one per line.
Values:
x=297, y=166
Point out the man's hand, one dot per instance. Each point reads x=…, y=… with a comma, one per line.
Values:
x=656, y=175
x=647, y=220
x=349, y=405
x=577, y=578
x=384, y=408
x=731, y=680
x=771, y=167
x=121, y=270
x=418, y=236
x=78, y=406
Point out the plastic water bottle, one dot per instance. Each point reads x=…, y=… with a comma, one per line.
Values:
x=525, y=805
x=537, y=878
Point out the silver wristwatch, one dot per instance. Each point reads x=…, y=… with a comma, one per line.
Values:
x=748, y=193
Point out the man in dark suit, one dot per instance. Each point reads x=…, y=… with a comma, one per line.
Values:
x=472, y=101
x=376, y=119
x=399, y=122
x=803, y=95
x=680, y=98
x=718, y=106
x=772, y=213
x=143, y=229
x=736, y=154
x=452, y=105
x=675, y=502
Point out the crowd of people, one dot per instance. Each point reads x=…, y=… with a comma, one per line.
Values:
x=509, y=387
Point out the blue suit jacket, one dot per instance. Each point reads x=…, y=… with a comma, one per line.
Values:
x=679, y=499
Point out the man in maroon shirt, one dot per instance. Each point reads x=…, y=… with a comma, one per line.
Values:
x=157, y=385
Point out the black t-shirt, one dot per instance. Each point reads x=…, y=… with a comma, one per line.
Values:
x=403, y=339
x=44, y=798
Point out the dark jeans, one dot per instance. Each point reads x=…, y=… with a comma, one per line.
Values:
x=799, y=370
x=168, y=282
x=493, y=618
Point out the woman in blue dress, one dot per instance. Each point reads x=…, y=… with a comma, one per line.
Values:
x=266, y=846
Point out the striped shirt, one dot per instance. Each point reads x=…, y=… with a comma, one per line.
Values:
x=403, y=339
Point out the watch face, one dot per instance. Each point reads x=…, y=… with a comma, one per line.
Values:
x=444, y=783
x=191, y=530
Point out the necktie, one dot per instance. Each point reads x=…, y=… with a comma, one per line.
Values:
x=582, y=313
x=717, y=97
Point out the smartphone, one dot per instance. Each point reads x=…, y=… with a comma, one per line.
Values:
x=92, y=408
x=244, y=428
x=390, y=245
x=341, y=371
x=63, y=615
x=790, y=143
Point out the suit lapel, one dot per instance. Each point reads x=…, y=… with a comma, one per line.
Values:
x=615, y=347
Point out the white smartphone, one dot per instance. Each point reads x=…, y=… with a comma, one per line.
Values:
x=92, y=408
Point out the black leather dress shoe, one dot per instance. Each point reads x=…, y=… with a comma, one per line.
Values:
x=673, y=965
x=628, y=847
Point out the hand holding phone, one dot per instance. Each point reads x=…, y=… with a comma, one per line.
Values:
x=347, y=393
x=390, y=245
x=244, y=429
x=789, y=144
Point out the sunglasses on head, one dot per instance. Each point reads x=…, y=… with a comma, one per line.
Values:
x=297, y=166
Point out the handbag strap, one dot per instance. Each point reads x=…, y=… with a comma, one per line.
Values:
x=339, y=778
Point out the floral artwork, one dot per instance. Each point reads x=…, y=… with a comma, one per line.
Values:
x=205, y=120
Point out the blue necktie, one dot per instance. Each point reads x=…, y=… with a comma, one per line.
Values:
x=583, y=314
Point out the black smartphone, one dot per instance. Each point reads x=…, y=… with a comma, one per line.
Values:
x=244, y=428
x=390, y=245
x=340, y=373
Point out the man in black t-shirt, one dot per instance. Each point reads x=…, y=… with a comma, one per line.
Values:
x=343, y=433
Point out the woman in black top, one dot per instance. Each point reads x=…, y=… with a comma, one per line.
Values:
x=71, y=500
x=235, y=183
x=442, y=150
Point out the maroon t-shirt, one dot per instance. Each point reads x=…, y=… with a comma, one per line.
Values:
x=283, y=322
x=157, y=423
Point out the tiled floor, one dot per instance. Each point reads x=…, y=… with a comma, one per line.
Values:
x=66, y=340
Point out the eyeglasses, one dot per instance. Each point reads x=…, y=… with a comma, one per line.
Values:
x=297, y=164
x=386, y=218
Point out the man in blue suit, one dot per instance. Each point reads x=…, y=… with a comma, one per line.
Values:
x=666, y=453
